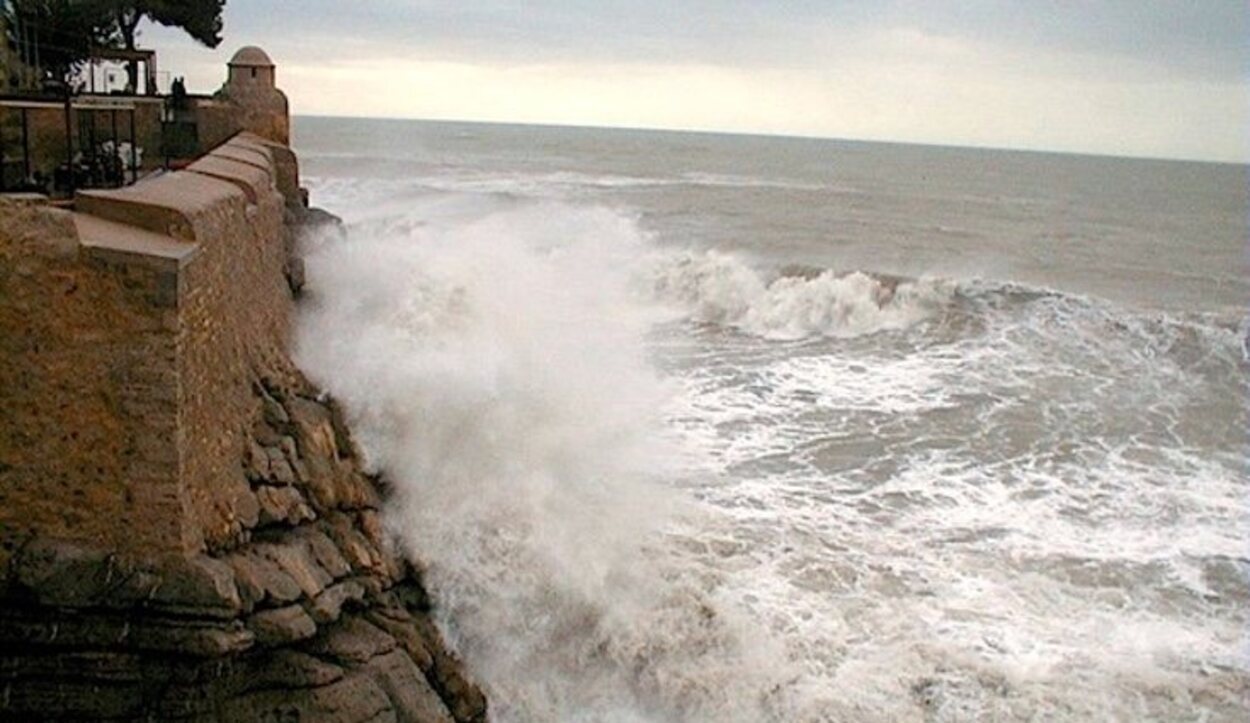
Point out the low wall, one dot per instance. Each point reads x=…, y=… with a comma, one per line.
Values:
x=131, y=328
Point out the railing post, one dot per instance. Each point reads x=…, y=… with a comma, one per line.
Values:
x=117, y=152
x=69, y=140
x=134, y=162
x=26, y=145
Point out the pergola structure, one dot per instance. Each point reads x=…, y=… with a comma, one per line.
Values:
x=121, y=55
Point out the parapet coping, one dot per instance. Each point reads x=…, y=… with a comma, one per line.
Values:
x=165, y=204
x=153, y=220
x=252, y=180
x=99, y=233
x=243, y=154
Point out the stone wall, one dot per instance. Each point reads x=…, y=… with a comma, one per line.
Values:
x=88, y=384
x=186, y=532
x=179, y=296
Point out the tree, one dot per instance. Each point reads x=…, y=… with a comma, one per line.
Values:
x=201, y=19
x=57, y=36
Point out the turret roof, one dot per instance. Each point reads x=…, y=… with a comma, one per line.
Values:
x=251, y=56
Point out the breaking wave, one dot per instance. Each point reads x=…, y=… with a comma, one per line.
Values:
x=863, y=498
x=496, y=371
x=718, y=288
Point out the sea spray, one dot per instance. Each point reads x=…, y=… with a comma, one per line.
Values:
x=496, y=371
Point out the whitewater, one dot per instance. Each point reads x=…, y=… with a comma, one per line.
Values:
x=712, y=428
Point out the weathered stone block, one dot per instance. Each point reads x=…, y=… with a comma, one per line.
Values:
x=408, y=637
x=360, y=554
x=282, y=505
x=256, y=462
x=285, y=668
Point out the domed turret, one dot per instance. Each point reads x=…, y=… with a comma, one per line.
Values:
x=251, y=65
x=251, y=87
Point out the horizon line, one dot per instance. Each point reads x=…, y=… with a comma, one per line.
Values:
x=785, y=136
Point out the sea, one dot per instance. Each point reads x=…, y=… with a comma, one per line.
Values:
x=701, y=427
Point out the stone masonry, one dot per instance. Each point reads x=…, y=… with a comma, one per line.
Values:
x=186, y=532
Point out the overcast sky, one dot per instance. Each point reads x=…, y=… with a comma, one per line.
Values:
x=1132, y=77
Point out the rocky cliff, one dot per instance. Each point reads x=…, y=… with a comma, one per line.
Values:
x=313, y=616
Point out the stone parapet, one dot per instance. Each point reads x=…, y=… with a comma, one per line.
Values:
x=131, y=328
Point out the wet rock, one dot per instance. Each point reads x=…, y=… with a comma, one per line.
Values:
x=352, y=698
x=323, y=550
x=282, y=625
x=282, y=505
x=295, y=669
x=314, y=424
x=261, y=579
x=353, y=641
x=295, y=275
x=298, y=563
x=371, y=525
x=414, y=700
x=408, y=637
x=450, y=680
x=328, y=606
x=201, y=586
x=65, y=574
x=355, y=548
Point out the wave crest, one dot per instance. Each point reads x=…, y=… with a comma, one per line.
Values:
x=721, y=289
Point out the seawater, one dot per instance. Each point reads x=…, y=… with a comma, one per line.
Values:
x=692, y=427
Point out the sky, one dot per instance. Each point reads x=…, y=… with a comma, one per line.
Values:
x=1156, y=78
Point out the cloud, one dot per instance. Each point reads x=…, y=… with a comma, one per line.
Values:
x=1145, y=77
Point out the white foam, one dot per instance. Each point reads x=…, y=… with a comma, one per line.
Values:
x=494, y=369
x=722, y=289
x=1018, y=508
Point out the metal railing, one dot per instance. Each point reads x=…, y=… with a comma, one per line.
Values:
x=96, y=146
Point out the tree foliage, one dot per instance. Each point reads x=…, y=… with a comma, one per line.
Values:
x=58, y=35
x=201, y=19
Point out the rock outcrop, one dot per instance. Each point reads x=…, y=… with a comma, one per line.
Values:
x=309, y=613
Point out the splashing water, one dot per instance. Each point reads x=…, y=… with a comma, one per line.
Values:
x=664, y=484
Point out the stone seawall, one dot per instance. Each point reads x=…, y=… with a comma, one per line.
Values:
x=185, y=529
